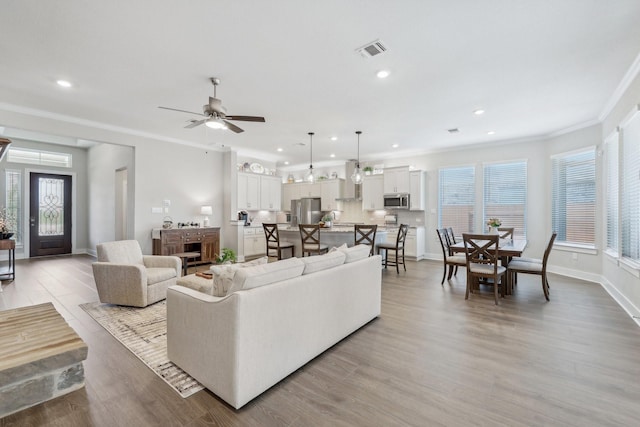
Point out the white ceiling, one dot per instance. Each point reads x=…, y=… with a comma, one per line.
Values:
x=536, y=67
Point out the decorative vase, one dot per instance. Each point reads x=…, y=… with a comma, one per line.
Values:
x=493, y=230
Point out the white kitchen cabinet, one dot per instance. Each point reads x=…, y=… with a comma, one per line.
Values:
x=270, y=193
x=373, y=192
x=309, y=190
x=413, y=244
x=254, y=242
x=297, y=191
x=417, y=199
x=288, y=191
x=330, y=190
x=248, y=191
x=396, y=180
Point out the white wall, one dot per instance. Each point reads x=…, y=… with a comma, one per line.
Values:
x=103, y=160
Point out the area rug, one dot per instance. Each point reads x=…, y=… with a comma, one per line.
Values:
x=144, y=332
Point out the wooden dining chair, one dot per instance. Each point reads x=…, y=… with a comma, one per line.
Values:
x=310, y=236
x=397, y=248
x=365, y=234
x=452, y=241
x=506, y=232
x=533, y=266
x=274, y=243
x=450, y=260
x=483, y=262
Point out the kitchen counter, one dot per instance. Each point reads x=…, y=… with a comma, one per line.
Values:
x=332, y=236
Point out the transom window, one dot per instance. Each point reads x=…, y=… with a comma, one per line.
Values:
x=36, y=157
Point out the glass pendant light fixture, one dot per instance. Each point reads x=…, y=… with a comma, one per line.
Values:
x=356, y=176
x=310, y=178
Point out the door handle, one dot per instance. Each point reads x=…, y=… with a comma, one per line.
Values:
x=33, y=221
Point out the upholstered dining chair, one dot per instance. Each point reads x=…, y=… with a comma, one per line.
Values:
x=452, y=241
x=533, y=266
x=124, y=276
x=365, y=234
x=506, y=232
x=450, y=260
x=483, y=262
x=310, y=237
x=397, y=248
x=274, y=243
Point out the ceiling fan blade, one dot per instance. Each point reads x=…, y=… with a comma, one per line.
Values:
x=246, y=118
x=195, y=123
x=182, y=111
x=233, y=127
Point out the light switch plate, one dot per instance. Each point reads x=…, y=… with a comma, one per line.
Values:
x=156, y=210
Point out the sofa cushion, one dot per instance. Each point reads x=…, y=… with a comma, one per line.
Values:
x=223, y=275
x=322, y=262
x=260, y=275
x=354, y=253
x=157, y=275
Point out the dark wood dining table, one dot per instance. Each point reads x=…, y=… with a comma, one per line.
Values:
x=507, y=249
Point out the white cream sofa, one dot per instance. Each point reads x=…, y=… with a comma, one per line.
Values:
x=240, y=345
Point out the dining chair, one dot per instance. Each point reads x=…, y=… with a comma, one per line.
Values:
x=274, y=243
x=533, y=266
x=450, y=260
x=483, y=262
x=365, y=234
x=397, y=248
x=310, y=236
x=506, y=232
x=452, y=241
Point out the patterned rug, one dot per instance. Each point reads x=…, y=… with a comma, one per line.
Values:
x=144, y=332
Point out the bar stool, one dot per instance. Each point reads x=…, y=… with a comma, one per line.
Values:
x=365, y=235
x=274, y=242
x=310, y=236
x=397, y=248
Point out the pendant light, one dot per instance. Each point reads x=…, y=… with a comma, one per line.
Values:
x=356, y=177
x=310, y=178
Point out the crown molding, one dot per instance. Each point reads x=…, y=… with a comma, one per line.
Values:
x=630, y=75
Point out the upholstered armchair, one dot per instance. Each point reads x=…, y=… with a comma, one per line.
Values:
x=126, y=277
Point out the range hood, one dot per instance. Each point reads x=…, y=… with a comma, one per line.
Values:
x=352, y=192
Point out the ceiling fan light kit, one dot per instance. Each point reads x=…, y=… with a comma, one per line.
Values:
x=356, y=176
x=215, y=114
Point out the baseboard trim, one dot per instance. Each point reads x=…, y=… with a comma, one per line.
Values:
x=622, y=300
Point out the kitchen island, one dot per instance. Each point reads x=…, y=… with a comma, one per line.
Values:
x=332, y=236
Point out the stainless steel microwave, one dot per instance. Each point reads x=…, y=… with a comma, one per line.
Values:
x=396, y=201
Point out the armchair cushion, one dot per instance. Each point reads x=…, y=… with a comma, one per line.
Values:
x=156, y=275
x=160, y=261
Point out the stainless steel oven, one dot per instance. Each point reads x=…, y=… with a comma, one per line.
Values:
x=396, y=201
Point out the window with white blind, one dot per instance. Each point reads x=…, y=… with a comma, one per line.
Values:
x=505, y=195
x=630, y=191
x=573, y=204
x=13, y=202
x=611, y=188
x=456, y=200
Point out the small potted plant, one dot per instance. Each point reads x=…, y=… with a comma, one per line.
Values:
x=327, y=220
x=368, y=170
x=228, y=256
x=493, y=224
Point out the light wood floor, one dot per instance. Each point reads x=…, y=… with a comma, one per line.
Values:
x=432, y=358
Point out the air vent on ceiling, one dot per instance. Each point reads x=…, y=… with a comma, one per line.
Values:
x=454, y=130
x=372, y=49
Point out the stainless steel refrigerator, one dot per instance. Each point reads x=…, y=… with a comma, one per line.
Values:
x=305, y=211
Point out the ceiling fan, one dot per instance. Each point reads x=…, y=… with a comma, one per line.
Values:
x=215, y=115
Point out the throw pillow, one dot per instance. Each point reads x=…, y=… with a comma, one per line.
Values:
x=355, y=253
x=260, y=275
x=323, y=262
x=223, y=275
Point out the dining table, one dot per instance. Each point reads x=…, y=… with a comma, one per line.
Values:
x=507, y=249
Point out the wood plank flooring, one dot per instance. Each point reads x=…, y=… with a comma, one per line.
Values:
x=432, y=358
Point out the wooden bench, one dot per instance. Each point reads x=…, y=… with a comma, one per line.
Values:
x=40, y=357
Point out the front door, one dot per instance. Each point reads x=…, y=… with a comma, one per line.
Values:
x=50, y=214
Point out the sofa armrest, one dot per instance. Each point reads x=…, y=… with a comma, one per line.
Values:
x=162, y=261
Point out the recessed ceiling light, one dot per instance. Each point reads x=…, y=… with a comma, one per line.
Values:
x=286, y=163
x=478, y=112
x=491, y=132
x=332, y=155
x=395, y=146
x=63, y=83
x=383, y=74
x=334, y=138
x=280, y=149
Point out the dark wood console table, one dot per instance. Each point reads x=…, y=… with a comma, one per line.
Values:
x=8, y=273
x=205, y=240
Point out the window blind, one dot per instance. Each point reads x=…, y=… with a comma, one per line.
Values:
x=573, y=203
x=13, y=201
x=456, y=199
x=630, y=192
x=505, y=195
x=611, y=188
